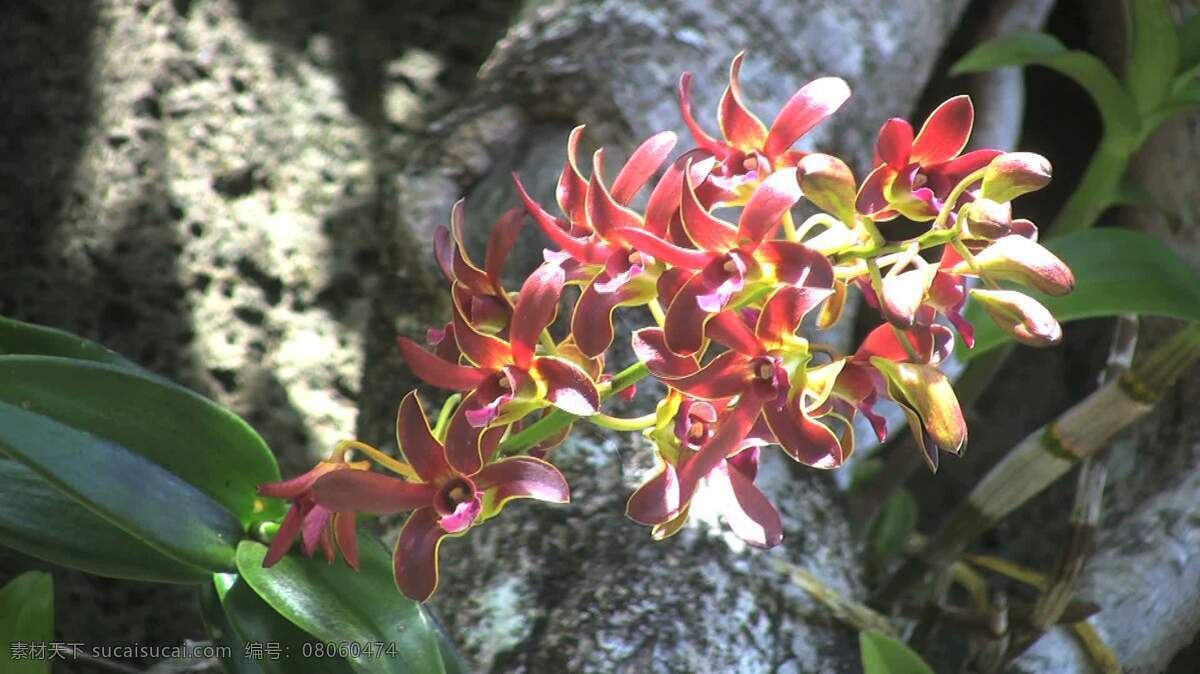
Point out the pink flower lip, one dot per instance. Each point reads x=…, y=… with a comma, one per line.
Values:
x=459, y=503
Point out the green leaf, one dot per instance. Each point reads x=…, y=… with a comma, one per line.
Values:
x=38, y=340
x=896, y=521
x=1116, y=106
x=188, y=435
x=336, y=604
x=1117, y=272
x=122, y=487
x=237, y=617
x=884, y=655
x=26, y=616
x=1153, y=52
x=40, y=521
x=1189, y=44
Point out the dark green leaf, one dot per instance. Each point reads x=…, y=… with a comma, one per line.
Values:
x=1032, y=48
x=1189, y=44
x=42, y=522
x=38, y=340
x=122, y=487
x=336, y=604
x=1153, y=52
x=884, y=655
x=186, y=434
x=896, y=521
x=236, y=617
x=26, y=616
x=452, y=660
x=1116, y=272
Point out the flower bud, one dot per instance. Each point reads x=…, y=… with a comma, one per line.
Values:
x=1015, y=258
x=1020, y=315
x=903, y=295
x=987, y=219
x=928, y=401
x=1015, y=173
x=829, y=184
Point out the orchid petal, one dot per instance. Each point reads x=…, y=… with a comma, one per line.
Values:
x=443, y=251
x=705, y=141
x=665, y=199
x=605, y=214
x=486, y=351
x=804, y=439
x=783, y=311
x=504, y=235
x=872, y=199
x=286, y=535
x=895, y=143
x=729, y=329
x=650, y=346
x=808, y=107
x=416, y=555
x=657, y=500
x=642, y=165
x=705, y=230
x=773, y=197
x=956, y=170
x=423, y=452
x=660, y=249
x=686, y=317
x=831, y=313
x=568, y=387
x=591, y=323
x=345, y=533
x=945, y=132
x=727, y=375
x=750, y=514
x=740, y=127
x=536, y=307
x=903, y=294
x=797, y=264
x=435, y=371
x=588, y=251
x=730, y=433
x=462, y=447
x=367, y=492
x=521, y=477
x=465, y=270
x=571, y=192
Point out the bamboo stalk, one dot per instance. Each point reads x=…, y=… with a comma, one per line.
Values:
x=856, y=615
x=1048, y=453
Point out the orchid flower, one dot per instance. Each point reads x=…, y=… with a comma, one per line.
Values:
x=679, y=440
x=914, y=176
x=313, y=523
x=448, y=498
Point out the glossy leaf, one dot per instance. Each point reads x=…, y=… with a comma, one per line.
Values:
x=336, y=604
x=17, y=337
x=1189, y=44
x=1034, y=48
x=1153, y=51
x=236, y=616
x=884, y=655
x=26, y=616
x=185, y=434
x=1116, y=272
x=122, y=487
x=41, y=521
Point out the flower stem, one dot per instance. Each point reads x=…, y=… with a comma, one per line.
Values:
x=443, y=420
x=656, y=310
x=557, y=420
x=1096, y=190
x=789, y=227
x=548, y=342
x=621, y=424
x=379, y=457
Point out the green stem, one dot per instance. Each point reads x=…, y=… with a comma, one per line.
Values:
x=1100, y=183
x=443, y=420
x=621, y=424
x=557, y=420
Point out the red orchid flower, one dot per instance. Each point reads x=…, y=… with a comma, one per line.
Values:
x=590, y=235
x=449, y=499
x=504, y=372
x=749, y=150
x=731, y=256
x=758, y=369
x=314, y=523
x=730, y=483
x=479, y=291
x=914, y=176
